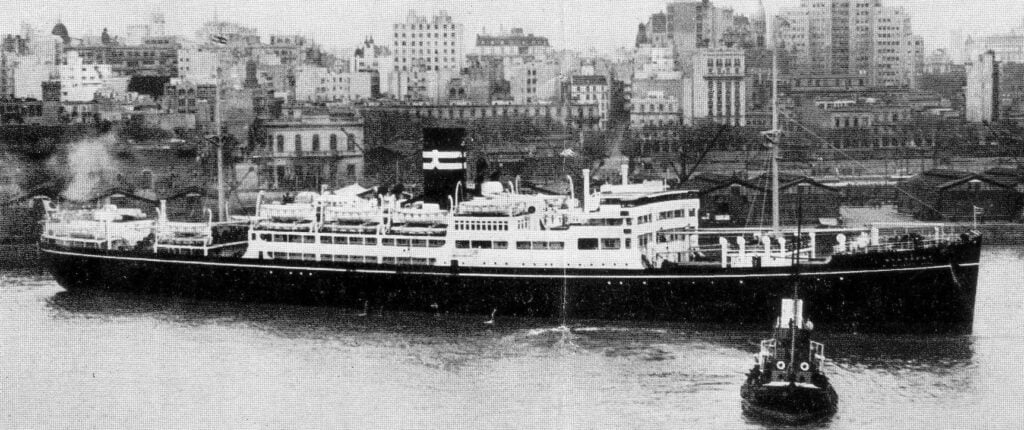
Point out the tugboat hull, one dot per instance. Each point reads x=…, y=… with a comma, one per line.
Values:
x=791, y=404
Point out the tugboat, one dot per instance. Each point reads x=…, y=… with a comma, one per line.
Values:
x=787, y=383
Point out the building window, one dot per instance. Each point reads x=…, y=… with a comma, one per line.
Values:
x=147, y=179
x=334, y=142
x=298, y=143
x=280, y=143
x=351, y=147
x=316, y=143
x=350, y=170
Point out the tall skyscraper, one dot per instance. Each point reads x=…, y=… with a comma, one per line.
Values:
x=428, y=44
x=687, y=27
x=853, y=37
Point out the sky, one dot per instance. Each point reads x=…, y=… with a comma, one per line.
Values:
x=574, y=24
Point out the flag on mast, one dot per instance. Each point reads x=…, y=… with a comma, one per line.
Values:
x=219, y=39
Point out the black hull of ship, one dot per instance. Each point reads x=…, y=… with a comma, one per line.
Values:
x=931, y=290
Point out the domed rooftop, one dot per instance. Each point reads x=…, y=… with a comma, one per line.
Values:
x=62, y=31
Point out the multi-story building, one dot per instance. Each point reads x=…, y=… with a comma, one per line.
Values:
x=853, y=113
x=289, y=50
x=371, y=57
x=853, y=37
x=858, y=123
x=376, y=59
x=533, y=81
x=1006, y=46
x=428, y=86
x=654, y=109
x=307, y=151
x=697, y=24
x=156, y=56
x=982, y=93
x=591, y=91
x=27, y=60
x=938, y=62
x=7, y=62
x=687, y=27
x=649, y=61
x=319, y=84
x=576, y=116
x=19, y=110
x=515, y=43
x=187, y=97
x=79, y=82
x=52, y=110
x=717, y=90
x=198, y=63
x=428, y=44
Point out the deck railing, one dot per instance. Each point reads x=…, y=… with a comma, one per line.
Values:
x=817, y=353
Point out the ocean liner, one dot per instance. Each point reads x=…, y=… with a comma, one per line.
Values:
x=623, y=251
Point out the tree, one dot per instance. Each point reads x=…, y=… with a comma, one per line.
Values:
x=695, y=143
x=1009, y=135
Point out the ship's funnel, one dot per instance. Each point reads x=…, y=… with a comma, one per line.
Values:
x=444, y=163
x=791, y=310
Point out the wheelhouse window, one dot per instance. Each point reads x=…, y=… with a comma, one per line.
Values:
x=610, y=243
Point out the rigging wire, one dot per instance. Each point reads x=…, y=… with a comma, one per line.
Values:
x=790, y=119
x=764, y=201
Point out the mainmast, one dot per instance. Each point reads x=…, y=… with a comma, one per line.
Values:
x=221, y=207
x=776, y=137
x=775, y=133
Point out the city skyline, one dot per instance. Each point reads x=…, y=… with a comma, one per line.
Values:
x=571, y=24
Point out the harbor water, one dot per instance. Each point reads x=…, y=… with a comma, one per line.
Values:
x=93, y=360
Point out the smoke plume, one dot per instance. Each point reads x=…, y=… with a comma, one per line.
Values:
x=89, y=166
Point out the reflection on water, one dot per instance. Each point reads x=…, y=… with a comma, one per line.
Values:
x=115, y=360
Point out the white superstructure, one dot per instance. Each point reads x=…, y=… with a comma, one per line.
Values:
x=613, y=228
